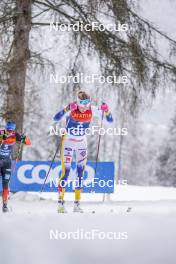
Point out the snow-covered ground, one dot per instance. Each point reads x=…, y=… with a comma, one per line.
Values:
x=33, y=232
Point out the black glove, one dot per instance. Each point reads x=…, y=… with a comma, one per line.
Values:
x=5, y=136
x=23, y=138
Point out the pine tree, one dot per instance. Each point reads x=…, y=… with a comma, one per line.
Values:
x=166, y=169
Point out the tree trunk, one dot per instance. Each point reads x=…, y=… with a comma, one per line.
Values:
x=18, y=63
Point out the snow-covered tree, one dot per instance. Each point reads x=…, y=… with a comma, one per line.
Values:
x=166, y=167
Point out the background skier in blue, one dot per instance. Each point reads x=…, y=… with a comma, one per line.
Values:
x=8, y=138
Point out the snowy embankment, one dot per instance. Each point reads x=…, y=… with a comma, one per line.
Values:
x=149, y=228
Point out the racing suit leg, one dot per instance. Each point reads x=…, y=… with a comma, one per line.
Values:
x=66, y=159
x=81, y=159
x=6, y=173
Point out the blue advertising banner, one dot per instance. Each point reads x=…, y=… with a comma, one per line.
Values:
x=30, y=175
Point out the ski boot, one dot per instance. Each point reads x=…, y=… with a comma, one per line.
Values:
x=5, y=209
x=61, y=207
x=77, y=208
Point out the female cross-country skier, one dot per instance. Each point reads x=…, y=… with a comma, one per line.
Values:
x=78, y=117
x=8, y=138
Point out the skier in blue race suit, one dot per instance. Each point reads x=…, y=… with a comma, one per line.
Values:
x=78, y=115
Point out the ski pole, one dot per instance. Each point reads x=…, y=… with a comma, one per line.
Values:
x=1, y=144
x=43, y=185
x=17, y=157
x=99, y=139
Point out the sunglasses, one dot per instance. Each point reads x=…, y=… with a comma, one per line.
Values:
x=84, y=102
x=10, y=131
